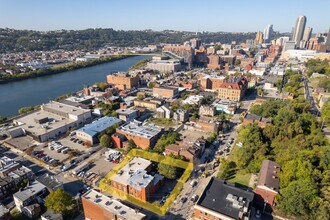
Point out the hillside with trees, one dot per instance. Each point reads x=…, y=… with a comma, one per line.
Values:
x=28, y=40
x=296, y=142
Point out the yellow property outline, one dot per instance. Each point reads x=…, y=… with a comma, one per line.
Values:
x=159, y=210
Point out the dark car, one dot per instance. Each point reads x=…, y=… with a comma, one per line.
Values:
x=183, y=199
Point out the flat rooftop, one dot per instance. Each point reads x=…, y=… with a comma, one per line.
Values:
x=99, y=125
x=224, y=198
x=64, y=108
x=3, y=210
x=32, y=189
x=112, y=205
x=137, y=163
x=49, y=181
x=54, y=122
x=140, y=179
x=146, y=131
x=125, y=111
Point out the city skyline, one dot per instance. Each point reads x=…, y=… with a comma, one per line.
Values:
x=214, y=16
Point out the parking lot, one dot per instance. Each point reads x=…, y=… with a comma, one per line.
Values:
x=60, y=151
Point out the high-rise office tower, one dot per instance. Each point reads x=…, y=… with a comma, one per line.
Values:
x=307, y=34
x=327, y=42
x=299, y=30
x=268, y=32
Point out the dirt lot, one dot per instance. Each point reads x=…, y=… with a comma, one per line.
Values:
x=190, y=136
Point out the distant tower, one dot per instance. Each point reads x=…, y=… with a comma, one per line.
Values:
x=299, y=30
x=268, y=32
x=195, y=43
x=327, y=42
x=259, y=37
x=307, y=34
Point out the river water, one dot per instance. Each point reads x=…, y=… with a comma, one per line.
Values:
x=35, y=91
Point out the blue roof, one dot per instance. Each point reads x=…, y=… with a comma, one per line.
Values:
x=99, y=125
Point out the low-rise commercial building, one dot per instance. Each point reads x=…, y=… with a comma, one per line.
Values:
x=53, y=120
x=222, y=200
x=127, y=115
x=4, y=213
x=144, y=136
x=90, y=132
x=225, y=106
x=101, y=207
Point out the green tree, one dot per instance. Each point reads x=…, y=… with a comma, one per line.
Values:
x=165, y=140
x=237, y=62
x=59, y=201
x=2, y=119
x=168, y=171
x=105, y=141
x=298, y=198
x=101, y=85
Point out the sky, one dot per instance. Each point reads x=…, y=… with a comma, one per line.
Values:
x=188, y=15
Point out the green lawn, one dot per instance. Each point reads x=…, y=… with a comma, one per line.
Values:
x=163, y=122
x=241, y=179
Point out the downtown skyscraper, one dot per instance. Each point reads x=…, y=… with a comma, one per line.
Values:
x=299, y=29
x=268, y=31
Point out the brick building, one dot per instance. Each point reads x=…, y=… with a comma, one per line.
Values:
x=186, y=52
x=123, y=81
x=214, y=62
x=221, y=200
x=165, y=92
x=144, y=137
x=134, y=179
x=233, y=89
x=268, y=183
x=212, y=82
x=101, y=207
x=146, y=104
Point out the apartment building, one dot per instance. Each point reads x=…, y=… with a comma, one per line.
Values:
x=185, y=52
x=123, y=80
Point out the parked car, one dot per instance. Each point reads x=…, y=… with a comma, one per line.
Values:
x=183, y=199
x=194, y=198
x=193, y=183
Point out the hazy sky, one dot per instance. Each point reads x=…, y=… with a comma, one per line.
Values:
x=191, y=15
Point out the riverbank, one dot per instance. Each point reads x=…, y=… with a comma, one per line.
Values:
x=38, y=90
x=60, y=69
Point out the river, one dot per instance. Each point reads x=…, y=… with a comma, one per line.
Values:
x=35, y=91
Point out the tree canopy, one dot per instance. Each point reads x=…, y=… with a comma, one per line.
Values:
x=59, y=201
x=168, y=171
